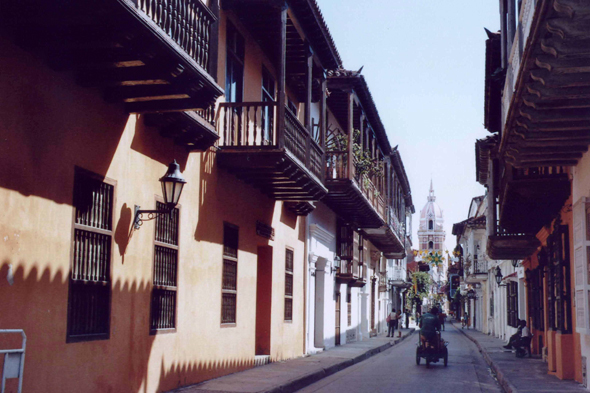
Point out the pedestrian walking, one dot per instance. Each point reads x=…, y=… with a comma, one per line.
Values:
x=398, y=323
x=390, y=323
x=442, y=317
x=407, y=313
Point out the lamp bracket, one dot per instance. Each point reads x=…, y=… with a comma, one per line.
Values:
x=151, y=214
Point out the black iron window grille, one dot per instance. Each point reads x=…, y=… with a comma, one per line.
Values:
x=165, y=273
x=229, y=285
x=558, y=281
x=512, y=303
x=90, y=279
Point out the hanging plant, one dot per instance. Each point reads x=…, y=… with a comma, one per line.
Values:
x=364, y=163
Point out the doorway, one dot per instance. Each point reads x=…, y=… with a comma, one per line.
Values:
x=263, y=300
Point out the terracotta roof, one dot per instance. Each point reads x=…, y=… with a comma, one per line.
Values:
x=322, y=39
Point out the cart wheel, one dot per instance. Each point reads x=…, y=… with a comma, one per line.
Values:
x=427, y=362
x=446, y=357
x=417, y=356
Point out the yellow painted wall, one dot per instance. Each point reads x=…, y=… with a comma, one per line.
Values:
x=49, y=125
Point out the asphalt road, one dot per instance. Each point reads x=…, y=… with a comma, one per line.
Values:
x=395, y=370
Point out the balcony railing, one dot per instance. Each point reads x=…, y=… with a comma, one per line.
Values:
x=251, y=124
x=394, y=223
x=187, y=22
x=337, y=168
x=535, y=173
x=479, y=266
x=398, y=275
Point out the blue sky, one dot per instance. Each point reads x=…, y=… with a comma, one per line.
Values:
x=424, y=62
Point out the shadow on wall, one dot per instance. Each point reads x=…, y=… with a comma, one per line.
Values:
x=37, y=301
x=224, y=197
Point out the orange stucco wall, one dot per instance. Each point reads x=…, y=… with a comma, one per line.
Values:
x=49, y=125
x=563, y=350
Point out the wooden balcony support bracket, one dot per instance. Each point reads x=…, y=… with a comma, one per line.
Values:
x=150, y=58
x=548, y=115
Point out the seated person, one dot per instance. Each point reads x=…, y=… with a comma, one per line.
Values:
x=429, y=327
x=519, y=333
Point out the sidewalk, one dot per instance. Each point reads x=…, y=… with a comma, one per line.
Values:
x=517, y=375
x=291, y=375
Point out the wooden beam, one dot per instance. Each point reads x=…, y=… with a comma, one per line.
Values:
x=156, y=106
x=565, y=47
x=532, y=101
x=559, y=115
x=557, y=80
x=577, y=28
x=546, y=93
x=549, y=136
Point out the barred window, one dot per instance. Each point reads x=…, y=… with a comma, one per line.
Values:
x=229, y=285
x=90, y=278
x=349, y=308
x=163, y=309
x=512, y=304
x=288, y=285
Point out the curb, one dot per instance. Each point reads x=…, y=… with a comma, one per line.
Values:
x=306, y=380
x=504, y=383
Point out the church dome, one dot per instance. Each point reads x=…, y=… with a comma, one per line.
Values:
x=431, y=211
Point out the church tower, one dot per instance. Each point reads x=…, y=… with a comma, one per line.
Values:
x=431, y=236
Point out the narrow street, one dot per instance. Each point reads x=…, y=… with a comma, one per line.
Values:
x=396, y=370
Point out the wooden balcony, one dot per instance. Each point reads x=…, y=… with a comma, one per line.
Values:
x=477, y=272
x=285, y=164
x=531, y=197
x=362, y=203
x=507, y=245
x=546, y=106
x=152, y=56
x=352, y=273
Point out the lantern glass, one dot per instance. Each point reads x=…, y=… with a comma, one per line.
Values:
x=337, y=262
x=172, y=185
x=498, y=275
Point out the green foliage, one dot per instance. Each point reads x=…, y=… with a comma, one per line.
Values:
x=364, y=163
x=422, y=283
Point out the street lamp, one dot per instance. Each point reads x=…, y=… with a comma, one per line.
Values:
x=172, y=185
x=515, y=263
x=499, y=277
x=337, y=261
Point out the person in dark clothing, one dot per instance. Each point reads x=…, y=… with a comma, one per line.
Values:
x=391, y=324
x=516, y=336
x=429, y=326
x=407, y=314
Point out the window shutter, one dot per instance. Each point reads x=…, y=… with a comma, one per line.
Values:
x=581, y=263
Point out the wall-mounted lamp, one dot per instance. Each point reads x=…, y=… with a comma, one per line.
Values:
x=172, y=185
x=337, y=264
x=515, y=263
x=499, y=277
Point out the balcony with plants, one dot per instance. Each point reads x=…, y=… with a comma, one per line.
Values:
x=361, y=180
